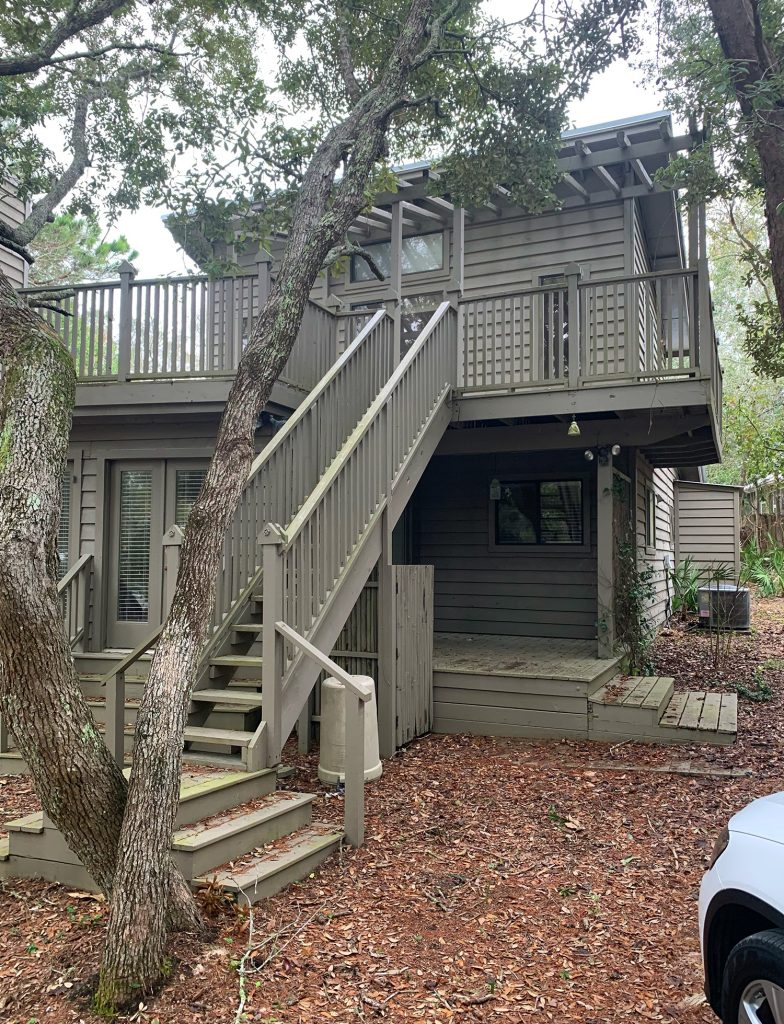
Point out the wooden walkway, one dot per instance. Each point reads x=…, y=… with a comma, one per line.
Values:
x=521, y=657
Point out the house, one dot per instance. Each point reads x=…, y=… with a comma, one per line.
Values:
x=452, y=468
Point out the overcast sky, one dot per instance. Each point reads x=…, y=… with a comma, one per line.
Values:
x=617, y=93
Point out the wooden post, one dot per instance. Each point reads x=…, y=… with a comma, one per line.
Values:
x=387, y=646
x=458, y=250
x=264, y=271
x=115, y=718
x=354, y=794
x=172, y=542
x=127, y=274
x=4, y=736
x=573, y=323
x=396, y=277
x=271, y=642
x=605, y=597
x=704, y=328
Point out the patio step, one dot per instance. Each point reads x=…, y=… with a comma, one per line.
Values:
x=647, y=710
x=241, y=666
x=270, y=871
x=249, y=700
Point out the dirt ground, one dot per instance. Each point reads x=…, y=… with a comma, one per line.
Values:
x=500, y=880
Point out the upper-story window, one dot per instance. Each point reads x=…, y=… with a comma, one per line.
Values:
x=419, y=254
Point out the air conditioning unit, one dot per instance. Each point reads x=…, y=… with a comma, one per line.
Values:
x=724, y=606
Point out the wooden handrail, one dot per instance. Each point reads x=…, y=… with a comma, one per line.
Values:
x=132, y=657
x=290, y=533
x=359, y=690
x=362, y=690
x=302, y=410
x=75, y=569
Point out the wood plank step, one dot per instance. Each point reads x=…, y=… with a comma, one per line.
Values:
x=236, y=698
x=673, y=711
x=692, y=712
x=269, y=872
x=615, y=691
x=228, y=737
x=728, y=715
x=236, y=661
x=238, y=832
x=638, y=695
x=711, y=706
x=247, y=627
x=660, y=693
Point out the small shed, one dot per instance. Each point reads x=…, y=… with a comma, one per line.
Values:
x=707, y=524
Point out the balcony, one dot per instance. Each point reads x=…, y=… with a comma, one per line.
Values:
x=591, y=338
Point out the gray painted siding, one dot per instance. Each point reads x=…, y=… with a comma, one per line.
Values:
x=663, y=483
x=12, y=211
x=708, y=525
x=548, y=592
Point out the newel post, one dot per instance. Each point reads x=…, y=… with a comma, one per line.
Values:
x=172, y=542
x=272, y=561
x=264, y=272
x=605, y=544
x=127, y=274
x=572, y=273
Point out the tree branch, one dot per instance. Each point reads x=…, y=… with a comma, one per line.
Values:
x=349, y=248
x=94, y=55
x=346, y=61
x=77, y=18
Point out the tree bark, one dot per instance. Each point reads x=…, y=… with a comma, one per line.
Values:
x=80, y=787
x=754, y=67
x=324, y=211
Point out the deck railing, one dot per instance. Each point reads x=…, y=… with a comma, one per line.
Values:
x=289, y=467
x=579, y=332
x=74, y=592
x=175, y=327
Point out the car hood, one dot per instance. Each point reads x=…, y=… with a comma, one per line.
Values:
x=763, y=818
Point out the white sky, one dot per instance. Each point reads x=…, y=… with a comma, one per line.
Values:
x=616, y=93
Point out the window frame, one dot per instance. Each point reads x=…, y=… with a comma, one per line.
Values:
x=412, y=282
x=537, y=549
x=649, y=522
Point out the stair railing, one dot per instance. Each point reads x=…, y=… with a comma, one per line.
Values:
x=74, y=592
x=114, y=683
x=304, y=560
x=286, y=471
x=359, y=690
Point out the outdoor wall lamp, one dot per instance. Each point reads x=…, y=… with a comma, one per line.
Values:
x=605, y=451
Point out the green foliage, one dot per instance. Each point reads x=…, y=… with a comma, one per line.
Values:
x=634, y=593
x=71, y=249
x=697, y=81
x=764, y=569
x=685, y=584
x=759, y=690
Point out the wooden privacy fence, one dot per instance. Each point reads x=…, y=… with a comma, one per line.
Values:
x=578, y=332
x=762, y=515
x=193, y=326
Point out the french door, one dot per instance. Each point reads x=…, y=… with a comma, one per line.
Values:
x=145, y=498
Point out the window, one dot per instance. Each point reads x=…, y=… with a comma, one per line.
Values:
x=419, y=254
x=64, y=529
x=548, y=512
x=133, y=566
x=650, y=517
x=186, y=490
x=415, y=311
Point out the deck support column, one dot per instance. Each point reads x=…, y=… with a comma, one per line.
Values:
x=387, y=653
x=605, y=595
x=396, y=278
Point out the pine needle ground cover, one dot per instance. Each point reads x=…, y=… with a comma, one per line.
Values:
x=500, y=880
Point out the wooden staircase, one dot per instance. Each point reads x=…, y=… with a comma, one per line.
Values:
x=646, y=709
x=234, y=830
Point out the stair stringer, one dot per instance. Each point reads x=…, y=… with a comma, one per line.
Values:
x=301, y=677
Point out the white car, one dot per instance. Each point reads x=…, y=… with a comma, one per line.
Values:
x=742, y=916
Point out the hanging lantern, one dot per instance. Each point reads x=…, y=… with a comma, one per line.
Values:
x=574, y=428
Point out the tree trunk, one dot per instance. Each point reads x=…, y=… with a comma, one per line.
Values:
x=323, y=213
x=755, y=68
x=80, y=787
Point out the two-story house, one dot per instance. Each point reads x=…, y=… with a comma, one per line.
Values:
x=512, y=406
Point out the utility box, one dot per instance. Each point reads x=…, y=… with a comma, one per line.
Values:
x=724, y=606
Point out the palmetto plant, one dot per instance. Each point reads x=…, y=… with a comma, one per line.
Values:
x=685, y=584
x=764, y=568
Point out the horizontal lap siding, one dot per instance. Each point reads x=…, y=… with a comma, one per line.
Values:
x=663, y=483
x=480, y=589
x=12, y=211
x=709, y=525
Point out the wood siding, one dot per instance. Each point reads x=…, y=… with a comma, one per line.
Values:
x=708, y=525
x=549, y=592
x=662, y=481
x=13, y=212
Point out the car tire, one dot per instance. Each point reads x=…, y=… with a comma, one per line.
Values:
x=753, y=984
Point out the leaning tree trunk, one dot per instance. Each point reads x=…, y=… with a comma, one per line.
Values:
x=135, y=948
x=80, y=787
x=755, y=70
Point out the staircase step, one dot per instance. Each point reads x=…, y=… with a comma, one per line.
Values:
x=237, y=661
x=701, y=717
x=248, y=627
x=205, y=795
x=209, y=844
x=267, y=873
x=236, y=698
x=226, y=737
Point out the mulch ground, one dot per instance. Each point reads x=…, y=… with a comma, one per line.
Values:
x=500, y=880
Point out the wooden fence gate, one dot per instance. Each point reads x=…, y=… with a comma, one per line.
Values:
x=414, y=646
